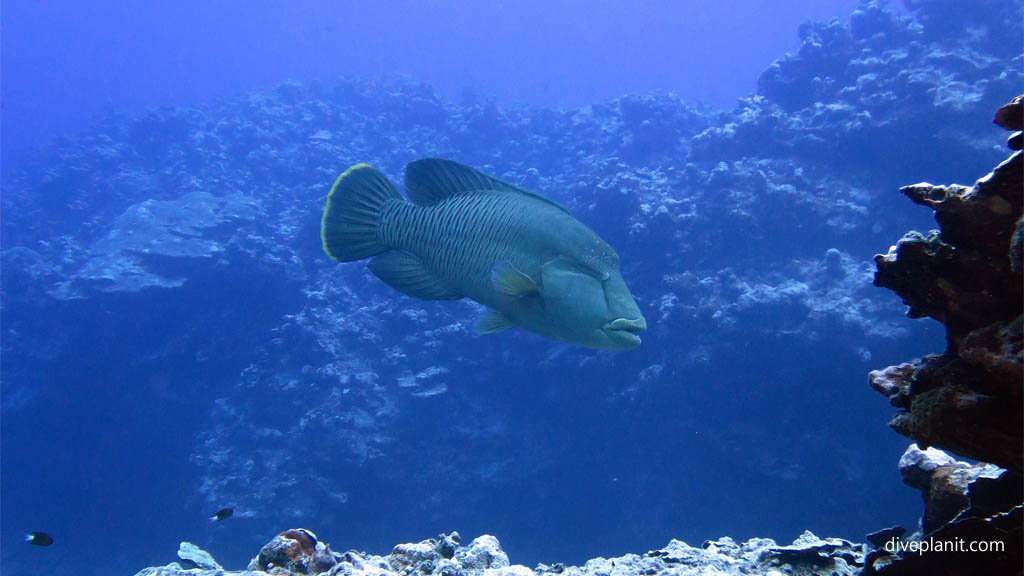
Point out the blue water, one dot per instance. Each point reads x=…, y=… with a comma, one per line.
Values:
x=66, y=62
x=175, y=341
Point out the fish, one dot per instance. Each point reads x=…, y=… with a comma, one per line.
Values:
x=464, y=234
x=38, y=538
x=222, y=514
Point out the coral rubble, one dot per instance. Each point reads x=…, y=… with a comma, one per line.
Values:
x=968, y=276
x=808, y=555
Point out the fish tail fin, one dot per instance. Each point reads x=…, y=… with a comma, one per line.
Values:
x=349, y=227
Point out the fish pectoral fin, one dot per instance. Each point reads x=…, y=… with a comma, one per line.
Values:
x=407, y=274
x=508, y=280
x=492, y=322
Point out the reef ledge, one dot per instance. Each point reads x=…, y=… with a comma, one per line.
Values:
x=298, y=551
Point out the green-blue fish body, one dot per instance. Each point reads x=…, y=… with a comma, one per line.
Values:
x=468, y=235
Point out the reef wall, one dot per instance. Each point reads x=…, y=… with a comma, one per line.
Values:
x=970, y=398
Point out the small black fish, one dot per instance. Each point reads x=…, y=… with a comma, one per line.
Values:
x=222, y=514
x=38, y=539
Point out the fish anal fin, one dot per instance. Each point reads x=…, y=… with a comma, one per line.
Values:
x=492, y=322
x=407, y=274
x=508, y=280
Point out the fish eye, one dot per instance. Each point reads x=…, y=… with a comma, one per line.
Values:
x=584, y=270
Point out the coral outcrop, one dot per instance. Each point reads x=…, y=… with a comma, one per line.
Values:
x=968, y=399
x=808, y=555
x=944, y=483
x=295, y=551
x=968, y=276
x=193, y=556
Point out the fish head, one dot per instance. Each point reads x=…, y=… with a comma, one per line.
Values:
x=591, y=307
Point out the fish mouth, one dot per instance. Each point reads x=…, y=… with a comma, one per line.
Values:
x=624, y=332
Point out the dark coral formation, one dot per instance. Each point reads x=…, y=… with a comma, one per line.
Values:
x=967, y=399
x=946, y=484
x=296, y=551
x=972, y=524
x=968, y=276
x=1011, y=117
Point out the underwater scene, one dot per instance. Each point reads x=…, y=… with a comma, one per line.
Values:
x=512, y=288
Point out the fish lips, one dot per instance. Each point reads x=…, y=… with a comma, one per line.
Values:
x=624, y=332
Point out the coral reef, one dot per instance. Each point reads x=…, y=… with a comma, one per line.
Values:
x=808, y=555
x=176, y=255
x=876, y=86
x=968, y=276
x=296, y=551
x=967, y=399
x=193, y=556
x=944, y=483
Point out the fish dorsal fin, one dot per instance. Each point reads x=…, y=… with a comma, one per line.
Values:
x=508, y=280
x=492, y=322
x=431, y=180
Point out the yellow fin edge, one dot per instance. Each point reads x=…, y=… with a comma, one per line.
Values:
x=327, y=206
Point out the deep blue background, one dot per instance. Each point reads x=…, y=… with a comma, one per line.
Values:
x=63, y=62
